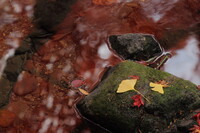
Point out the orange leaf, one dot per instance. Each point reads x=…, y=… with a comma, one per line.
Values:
x=163, y=82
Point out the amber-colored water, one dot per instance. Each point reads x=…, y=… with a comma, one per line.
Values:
x=172, y=22
x=79, y=50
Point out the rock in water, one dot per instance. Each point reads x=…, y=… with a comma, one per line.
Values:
x=25, y=85
x=5, y=89
x=135, y=47
x=164, y=112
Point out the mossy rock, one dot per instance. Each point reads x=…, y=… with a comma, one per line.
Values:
x=115, y=112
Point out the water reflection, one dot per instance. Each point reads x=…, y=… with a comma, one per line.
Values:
x=171, y=22
x=186, y=62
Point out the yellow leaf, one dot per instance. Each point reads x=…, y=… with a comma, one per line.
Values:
x=83, y=91
x=126, y=85
x=157, y=87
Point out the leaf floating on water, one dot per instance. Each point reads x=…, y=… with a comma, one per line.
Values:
x=137, y=100
x=77, y=83
x=126, y=85
x=158, y=86
x=83, y=91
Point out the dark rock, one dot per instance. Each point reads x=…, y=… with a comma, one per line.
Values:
x=5, y=89
x=184, y=125
x=15, y=66
x=115, y=112
x=135, y=47
x=49, y=13
x=24, y=48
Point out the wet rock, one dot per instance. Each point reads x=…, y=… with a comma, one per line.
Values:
x=5, y=89
x=6, y=118
x=115, y=111
x=184, y=125
x=25, y=47
x=26, y=84
x=135, y=46
x=15, y=66
x=48, y=13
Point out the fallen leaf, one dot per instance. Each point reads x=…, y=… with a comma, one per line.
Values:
x=197, y=117
x=195, y=129
x=137, y=100
x=157, y=87
x=163, y=82
x=126, y=85
x=77, y=83
x=83, y=91
x=134, y=77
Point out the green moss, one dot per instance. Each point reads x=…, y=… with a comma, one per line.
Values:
x=115, y=112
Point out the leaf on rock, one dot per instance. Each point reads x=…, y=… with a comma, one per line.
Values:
x=126, y=85
x=83, y=91
x=195, y=129
x=137, y=100
x=134, y=77
x=157, y=87
x=163, y=82
x=197, y=117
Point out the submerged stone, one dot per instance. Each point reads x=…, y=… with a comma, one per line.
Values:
x=26, y=84
x=135, y=47
x=163, y=113
x=5, y=89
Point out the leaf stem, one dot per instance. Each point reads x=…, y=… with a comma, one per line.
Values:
x=142, y=95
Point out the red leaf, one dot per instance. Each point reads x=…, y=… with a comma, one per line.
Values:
x=137, y=100
x=134, y=77
x=77, y=83
x=195, y=129
x=197, y=117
